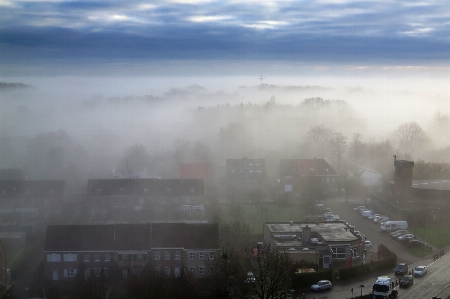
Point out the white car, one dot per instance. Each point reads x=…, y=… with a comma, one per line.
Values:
x=420, y=271
x=359, y=208
x=322, y=285
x=368, y=244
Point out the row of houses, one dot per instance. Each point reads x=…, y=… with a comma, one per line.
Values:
x=32, y=200
x=168, y=247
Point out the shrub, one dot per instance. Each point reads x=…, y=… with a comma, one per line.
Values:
x=302, y=280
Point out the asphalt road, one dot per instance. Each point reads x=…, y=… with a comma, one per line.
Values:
x=436, y=282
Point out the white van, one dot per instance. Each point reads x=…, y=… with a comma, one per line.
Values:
x=394, y=225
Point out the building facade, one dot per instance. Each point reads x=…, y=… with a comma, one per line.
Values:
x=167, y=247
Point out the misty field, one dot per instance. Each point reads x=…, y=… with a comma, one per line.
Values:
x=256, y=214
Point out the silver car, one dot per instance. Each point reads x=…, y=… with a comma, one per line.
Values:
x=322, y=285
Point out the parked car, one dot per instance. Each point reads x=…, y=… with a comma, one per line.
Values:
x=406, y=238
x=420, y=271
x=359, y=208
x=399, y=231
x=372, y=217
x=396, y=236
x=367, y=244
x=406, y=281
x=401, y=269
x=417, y=243
x=322, y=285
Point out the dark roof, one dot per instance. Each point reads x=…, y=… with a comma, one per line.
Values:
x=189, y=236
x=143, y=187
x=305, y=167
x=122, y=237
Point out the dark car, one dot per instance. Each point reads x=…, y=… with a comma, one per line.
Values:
x=401, y=269
x=406, y=281
x=417, y=243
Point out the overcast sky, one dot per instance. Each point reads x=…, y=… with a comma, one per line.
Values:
x=65, y=34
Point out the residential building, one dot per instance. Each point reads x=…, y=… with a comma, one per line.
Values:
x=246, y=178
x=167, y=247
x=123, y=199
x=301, y=176
x=30, y=201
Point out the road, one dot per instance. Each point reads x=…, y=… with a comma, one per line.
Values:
x=436, y=282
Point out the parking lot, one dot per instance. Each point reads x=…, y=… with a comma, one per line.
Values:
x=369, y=229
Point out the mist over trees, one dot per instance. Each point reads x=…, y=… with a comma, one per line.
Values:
x=78, y=138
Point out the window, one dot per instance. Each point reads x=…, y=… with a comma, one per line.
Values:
x=55, y=274
x=157, y=270
x=106, y=272
x=86, y=257
x=201, y=270
x=96, y=257
x=53, y=257
x=70, y=272
x=87, y=273
x=124, y=273
x=192, y=269
x=338, y=252
x=201, y=255
x=156, y=255
x=125, y=257
x=177, y=255
x=70, y=257
x=211, y=255
x=97, y=272
x=141, y=200
x=167, y=255
x=191, y=256
x=107, y=257
x=166, y=270
x=140, y=257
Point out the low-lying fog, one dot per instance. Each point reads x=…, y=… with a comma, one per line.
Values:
x=90, y=123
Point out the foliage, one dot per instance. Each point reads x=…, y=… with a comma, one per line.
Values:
x=7, y=292
x=303, y=280
x=389, y=260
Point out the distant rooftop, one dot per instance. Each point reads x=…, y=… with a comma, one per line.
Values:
x=431, y=184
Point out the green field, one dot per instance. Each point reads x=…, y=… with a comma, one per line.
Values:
x=256, y=214
x=437, y=235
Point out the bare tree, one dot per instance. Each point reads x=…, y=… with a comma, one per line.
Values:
x=318, y=138
x=356, y=147
x=338, y=144
x=411, y=137
x=272, y=271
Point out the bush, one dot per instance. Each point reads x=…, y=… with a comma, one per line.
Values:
x=302, y=280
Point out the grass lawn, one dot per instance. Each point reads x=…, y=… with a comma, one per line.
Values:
x=437, y=235
x=256, y=214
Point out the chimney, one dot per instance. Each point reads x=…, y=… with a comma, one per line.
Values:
x=306, y=234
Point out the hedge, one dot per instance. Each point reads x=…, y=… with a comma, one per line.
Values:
x=389, y=260
x=302, y=280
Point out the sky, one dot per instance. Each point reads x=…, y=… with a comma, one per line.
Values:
x=60, y=37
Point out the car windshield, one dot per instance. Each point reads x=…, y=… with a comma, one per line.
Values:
x=406, y=278
x=380, y=288
x=400, y=266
